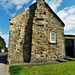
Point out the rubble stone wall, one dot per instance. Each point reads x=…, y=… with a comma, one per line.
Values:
x=29, y=39
x=45, y=22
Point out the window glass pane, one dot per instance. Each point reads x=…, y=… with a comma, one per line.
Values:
x=52, y=37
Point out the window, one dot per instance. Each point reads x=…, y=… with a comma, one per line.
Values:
x=52, y=37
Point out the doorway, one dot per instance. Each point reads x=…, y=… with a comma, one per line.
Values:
x=69, y=47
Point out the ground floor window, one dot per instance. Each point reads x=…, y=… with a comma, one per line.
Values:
x=52, y=37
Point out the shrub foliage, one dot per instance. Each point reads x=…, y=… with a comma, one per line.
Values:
x=2, y=43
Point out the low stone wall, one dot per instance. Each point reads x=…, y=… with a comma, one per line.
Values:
x=3, y=57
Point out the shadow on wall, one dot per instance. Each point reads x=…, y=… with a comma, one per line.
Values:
x=28, y=36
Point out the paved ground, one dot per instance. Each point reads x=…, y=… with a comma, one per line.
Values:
x=7, y=70
x=4, y=69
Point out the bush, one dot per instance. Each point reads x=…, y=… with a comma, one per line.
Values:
x=2, y=43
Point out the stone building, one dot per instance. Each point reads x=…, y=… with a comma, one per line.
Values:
x=36, y=34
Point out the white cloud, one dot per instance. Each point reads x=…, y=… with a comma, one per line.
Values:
x=20, y=2
x=12, y=15
x=3, y=1
x=70, y=33
x=0, y=33
x=5, y=36
x=62, y=14
x=12, y=4
x=7, y=5
x=54, y=4
x=18, y=7
x=72, y=10
x=68, y=17
x=33, y=1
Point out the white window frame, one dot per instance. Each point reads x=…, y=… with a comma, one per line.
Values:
x=51, y=39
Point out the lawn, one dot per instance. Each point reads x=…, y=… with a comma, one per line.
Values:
x=66, y=68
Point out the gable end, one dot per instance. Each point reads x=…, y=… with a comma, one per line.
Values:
x=55, y=14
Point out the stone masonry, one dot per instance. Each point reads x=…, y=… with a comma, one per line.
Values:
x=29, y=39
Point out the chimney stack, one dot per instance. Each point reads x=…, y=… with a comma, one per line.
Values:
x=40, y=4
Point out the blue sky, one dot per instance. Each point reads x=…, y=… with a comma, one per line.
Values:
x=65, y=9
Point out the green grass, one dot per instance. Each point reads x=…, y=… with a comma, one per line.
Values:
x=67, y=68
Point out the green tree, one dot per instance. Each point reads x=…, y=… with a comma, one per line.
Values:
x=2, y=43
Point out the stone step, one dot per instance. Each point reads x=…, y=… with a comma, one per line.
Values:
x=62, y=60
x=70, y=59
